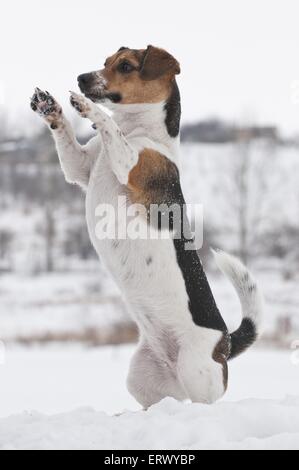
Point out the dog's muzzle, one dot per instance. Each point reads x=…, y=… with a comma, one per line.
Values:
x=88, y=81
x=92, y=85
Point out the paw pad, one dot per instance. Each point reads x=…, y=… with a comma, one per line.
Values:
x=80, y=104
x=43, y=103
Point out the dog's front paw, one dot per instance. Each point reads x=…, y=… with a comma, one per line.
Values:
x=45, y=105
x=80, y=104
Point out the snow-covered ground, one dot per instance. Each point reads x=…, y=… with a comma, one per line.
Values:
x=246, y=425
x=51, y=395
x=55, y=304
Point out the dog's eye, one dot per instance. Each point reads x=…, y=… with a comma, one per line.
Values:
x=125, y=67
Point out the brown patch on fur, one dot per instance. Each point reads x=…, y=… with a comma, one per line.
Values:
x=220, y=355
x=157, y=63
x=152, y=179
x=150, y=82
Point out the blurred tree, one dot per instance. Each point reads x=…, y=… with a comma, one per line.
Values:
x=249, y=170
x=6, y=239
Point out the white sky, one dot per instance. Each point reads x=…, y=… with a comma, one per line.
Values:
x=239, y=58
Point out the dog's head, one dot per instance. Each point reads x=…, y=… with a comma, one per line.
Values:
x=132, y=76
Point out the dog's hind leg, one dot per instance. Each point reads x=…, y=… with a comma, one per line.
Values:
x=202, y=368
x=150, y=379
x=76, y=160
x=122, y=156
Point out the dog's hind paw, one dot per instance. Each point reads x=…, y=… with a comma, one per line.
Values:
x=80, y=104
x=45, y=105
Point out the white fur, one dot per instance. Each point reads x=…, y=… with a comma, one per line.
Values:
x=250, y=296
x=75, y=160
x=174, y=357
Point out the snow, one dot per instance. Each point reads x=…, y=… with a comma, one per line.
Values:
x=259, y=411
x=250, y=424
x=56, y=303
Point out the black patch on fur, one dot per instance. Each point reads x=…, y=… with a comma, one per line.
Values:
x=202, y=304
x=243, y=338
x=114, y=97
x=173, y=111
x=123, y=48
x=167, y=190
x=149, y=261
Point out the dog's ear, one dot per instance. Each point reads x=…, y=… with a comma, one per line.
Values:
x=157, y=63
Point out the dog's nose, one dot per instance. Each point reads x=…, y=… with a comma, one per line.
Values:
x=85, y=79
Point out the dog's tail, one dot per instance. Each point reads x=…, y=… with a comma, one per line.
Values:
x=251, y=301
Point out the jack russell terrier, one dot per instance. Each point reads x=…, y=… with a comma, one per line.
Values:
x=184, y=342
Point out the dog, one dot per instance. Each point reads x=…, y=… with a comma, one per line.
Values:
x=184, y=343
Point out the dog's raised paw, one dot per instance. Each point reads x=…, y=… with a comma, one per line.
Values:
x=80, y=104
x=45, y=105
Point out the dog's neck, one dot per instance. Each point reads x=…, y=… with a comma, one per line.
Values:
x=159, y=122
